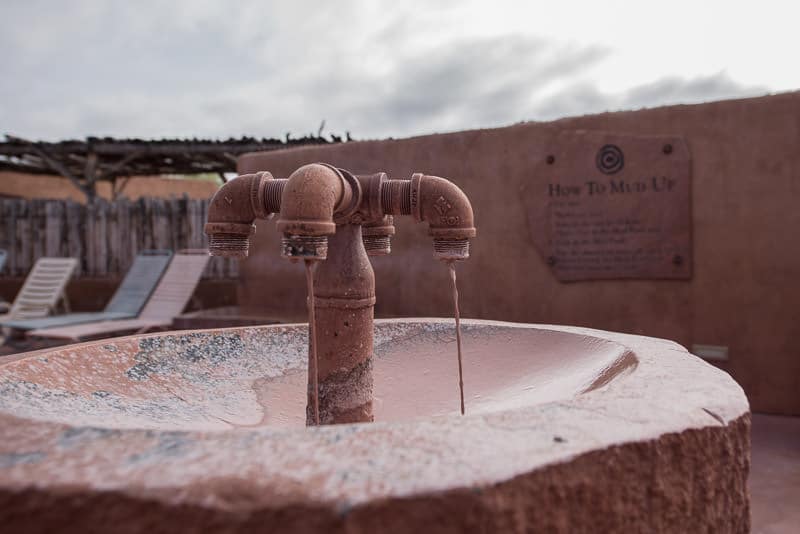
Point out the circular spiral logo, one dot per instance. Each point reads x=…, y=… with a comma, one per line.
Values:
x=610, y=159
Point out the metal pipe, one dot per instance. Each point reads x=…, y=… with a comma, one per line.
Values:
x=322, y=206
x=312, y=197
x=235, y=207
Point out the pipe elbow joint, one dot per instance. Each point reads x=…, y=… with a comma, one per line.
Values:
x=232, y=213
x=314, y=198
x=448, y=213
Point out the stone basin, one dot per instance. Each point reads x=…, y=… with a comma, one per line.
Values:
x=567, y=429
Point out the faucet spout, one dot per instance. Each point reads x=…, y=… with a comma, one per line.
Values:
x=316, y=196
x=235, y=207
x=440, y=203
x=448, y=213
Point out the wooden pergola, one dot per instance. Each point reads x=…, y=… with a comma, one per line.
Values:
x=84, y=163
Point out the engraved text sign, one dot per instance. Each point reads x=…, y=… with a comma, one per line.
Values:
x=606, y=206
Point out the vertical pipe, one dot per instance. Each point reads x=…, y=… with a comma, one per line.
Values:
x=344, y=307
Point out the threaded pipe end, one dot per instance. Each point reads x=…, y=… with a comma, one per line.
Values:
x=304, y=247
x=377, y=245
x=273, y=191
x=229, y=245
x=450, y=249
x=396, y=197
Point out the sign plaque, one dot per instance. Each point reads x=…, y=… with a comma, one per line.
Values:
x=610, y=206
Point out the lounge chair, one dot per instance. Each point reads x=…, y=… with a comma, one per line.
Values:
x=43, y=289
x=126, y=303
x=167, y=301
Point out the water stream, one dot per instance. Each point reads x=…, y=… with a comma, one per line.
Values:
x=452, y=266
x=312, y=336
x=312, y=339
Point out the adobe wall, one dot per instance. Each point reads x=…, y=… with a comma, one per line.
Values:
x=744, y=292
x=22, y=185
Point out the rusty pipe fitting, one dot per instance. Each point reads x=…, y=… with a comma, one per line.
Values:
x=450, y=249
x=443, y=205
x=448, y=212
x=377, y=236
x=235, y=207
x=314, y=198
x=396, y=197
x=377, y=228
x=439, y=202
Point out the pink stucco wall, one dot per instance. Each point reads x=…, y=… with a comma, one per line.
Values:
x=744, y=293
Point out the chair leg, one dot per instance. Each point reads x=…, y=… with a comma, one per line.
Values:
x=65, y=302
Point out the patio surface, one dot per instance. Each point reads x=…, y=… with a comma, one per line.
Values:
x=775, y=475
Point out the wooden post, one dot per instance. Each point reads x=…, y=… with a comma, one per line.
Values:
x=101, y=238
x=90, y=175
x=123, y=235
x=54, y=228
x=37, y=217
x=24, y=238
x=76, y=215
x=10, y=234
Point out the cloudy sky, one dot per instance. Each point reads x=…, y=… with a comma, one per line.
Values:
x=376, y=68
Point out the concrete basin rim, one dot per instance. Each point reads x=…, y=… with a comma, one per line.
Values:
x=528, y=439
x=624, y=343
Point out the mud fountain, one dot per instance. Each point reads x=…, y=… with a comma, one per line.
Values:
x=355, y=425
x=324, y=209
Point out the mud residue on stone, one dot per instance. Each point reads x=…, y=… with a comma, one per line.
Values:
x=18, y=458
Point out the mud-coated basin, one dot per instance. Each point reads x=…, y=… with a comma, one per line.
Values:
x=566, y=429
x=257, y=377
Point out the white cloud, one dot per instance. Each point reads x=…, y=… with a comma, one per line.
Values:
x=214, y=69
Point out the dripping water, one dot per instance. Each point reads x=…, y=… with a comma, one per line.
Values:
x=452, y=266
x=312, y=340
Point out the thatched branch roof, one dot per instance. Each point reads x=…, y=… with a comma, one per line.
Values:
x=107, y=158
